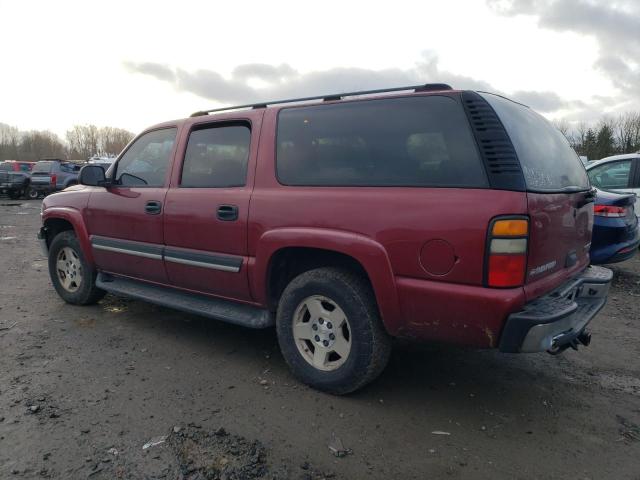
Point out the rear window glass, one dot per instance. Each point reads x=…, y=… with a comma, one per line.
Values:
x=548, y=161
x=408, y=141
x=43, y=167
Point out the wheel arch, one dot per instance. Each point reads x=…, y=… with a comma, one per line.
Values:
x=57, y=219
x=307, y=248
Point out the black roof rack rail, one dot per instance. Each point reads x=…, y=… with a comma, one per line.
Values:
x=428, y=87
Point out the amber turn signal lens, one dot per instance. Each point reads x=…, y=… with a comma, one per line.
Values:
x=510, y=228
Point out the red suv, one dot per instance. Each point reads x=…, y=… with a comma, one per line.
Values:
x=422, y=212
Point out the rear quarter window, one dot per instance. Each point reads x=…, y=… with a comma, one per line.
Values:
x=547, y=160
x=408, y=141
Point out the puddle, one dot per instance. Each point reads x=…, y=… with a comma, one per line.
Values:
x=11, y=204
x=86, y=322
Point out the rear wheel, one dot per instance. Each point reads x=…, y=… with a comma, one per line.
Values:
x=32, y=194
x=330, y=331
x=73, y=278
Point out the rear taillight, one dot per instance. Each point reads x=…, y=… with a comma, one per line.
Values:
x=53, y=179
x=507, y=252
x=609, y=211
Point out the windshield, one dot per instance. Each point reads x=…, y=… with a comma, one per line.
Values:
x=548, y=162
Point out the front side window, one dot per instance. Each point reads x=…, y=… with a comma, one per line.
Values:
x=611, y=176
x=216, y=157
x=406, y=141
x=146, y=162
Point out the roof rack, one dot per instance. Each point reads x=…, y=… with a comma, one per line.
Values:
x=427, y=87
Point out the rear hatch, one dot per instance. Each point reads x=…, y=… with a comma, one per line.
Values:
x=41, y=175
x=559, y=197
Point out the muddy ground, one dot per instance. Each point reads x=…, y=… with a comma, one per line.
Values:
x=83, y=389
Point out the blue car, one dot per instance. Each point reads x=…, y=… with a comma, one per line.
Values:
x=616, y=236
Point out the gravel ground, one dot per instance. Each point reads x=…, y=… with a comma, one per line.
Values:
x=84, y=389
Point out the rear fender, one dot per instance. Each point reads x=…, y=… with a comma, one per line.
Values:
x=74, y=217
x=370, y=254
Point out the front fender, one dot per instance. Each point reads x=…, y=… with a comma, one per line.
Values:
x=74, y=217
x=369, y=253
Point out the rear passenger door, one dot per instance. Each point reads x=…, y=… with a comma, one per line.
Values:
x=207, y=206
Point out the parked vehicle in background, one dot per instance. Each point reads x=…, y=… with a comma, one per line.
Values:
x=431, y=214
x=104, y=162
x=619, y=173
x=15, y=178
x=616, y=236
x=51, y=175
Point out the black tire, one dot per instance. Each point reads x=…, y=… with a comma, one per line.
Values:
x=370, y=344
x=32, y=194
x=86, y=293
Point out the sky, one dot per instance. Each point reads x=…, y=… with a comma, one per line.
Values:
x=136, y=63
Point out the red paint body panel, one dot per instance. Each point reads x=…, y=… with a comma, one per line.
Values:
x=463, y=314
x=118, y=213
x=558, y=227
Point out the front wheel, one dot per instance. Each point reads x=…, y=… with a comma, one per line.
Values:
x=330, y=331
x=72, y=276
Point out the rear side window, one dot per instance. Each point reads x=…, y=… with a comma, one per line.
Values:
x=408, y=141
x=547, y=160
x=611, y=175
x=216, y=157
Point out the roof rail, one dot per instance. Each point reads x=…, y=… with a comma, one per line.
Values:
x=428, y=87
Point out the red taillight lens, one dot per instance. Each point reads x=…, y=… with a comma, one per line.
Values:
x=507, y=246
x=53, y=179
x=506, y=270
x=609, y=211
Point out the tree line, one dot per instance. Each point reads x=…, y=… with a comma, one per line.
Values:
x=609, y=136
x=80, y=143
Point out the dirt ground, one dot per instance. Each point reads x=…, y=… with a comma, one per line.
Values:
x=84, y=389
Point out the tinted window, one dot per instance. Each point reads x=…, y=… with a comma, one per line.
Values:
x=4, y=167
x=611, y=175
x=547, y=160
x=43, y=167
x=216, y=157
x=146, y=162
x=408, y=141
x=25, y=167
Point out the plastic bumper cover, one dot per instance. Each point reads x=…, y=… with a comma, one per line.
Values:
x=558, y=318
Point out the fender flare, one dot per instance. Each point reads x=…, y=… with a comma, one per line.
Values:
x=74, y=217
x=369, y=253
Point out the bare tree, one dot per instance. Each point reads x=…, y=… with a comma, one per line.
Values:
x=83, y=141
x=112, y=140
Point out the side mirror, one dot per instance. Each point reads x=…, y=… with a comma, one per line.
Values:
x=93, y=176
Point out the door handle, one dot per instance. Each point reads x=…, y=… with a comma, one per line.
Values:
x=227, y=213
x=153, y=207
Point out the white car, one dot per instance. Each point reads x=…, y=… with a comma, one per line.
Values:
x=619, y=173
